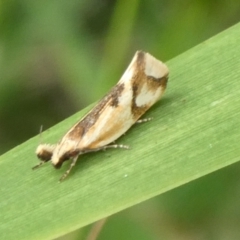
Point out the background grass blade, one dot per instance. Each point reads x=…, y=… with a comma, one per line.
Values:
x=195, y=131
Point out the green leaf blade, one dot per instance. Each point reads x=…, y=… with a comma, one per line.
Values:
x=195, y=131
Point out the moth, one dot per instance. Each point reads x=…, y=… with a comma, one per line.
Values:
x=142, y=85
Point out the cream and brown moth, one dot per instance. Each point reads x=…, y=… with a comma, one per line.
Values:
x=142, y=85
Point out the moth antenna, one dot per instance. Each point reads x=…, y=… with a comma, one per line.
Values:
x=40, y=134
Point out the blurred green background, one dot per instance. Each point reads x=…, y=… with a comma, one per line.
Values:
x=58, y=56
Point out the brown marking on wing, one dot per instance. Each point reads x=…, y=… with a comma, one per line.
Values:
x=115, y=94
x=110, y=100
x=139, y=80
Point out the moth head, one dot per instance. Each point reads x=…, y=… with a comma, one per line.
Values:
x=45, y=151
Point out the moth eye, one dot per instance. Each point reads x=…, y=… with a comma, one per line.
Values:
x=44, y=156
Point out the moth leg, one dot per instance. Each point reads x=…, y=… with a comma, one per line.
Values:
x=74, y=160
x=144, y=120
x=105, y=147
x=73, y=163
x=115, y=146
x=38, y=165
